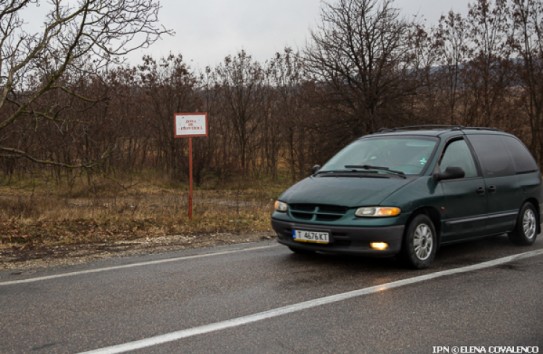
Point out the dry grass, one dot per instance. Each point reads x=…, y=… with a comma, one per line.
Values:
x=34, y=215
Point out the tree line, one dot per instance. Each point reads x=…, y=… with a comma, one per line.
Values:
x=67, y=104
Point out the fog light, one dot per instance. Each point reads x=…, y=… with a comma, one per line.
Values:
x=379, y=246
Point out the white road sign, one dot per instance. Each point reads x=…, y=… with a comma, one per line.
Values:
x=190, y=125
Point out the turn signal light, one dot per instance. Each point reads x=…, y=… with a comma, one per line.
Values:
x=280, y=206
x=377, y=212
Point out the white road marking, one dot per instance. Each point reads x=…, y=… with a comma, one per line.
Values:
x=240, y=321
x=133, y=265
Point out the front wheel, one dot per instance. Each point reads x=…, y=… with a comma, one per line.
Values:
x=420, y=242
x=525, y=231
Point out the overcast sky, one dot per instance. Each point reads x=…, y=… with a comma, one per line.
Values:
x=208, y=30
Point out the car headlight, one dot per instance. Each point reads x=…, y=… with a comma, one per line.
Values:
x=280, y=206
x=377, y=212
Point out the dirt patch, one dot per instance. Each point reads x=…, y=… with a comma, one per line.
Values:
x=25, y=257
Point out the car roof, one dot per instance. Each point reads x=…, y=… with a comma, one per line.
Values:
x=436, y=130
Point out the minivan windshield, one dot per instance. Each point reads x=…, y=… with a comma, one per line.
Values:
x=383, y=154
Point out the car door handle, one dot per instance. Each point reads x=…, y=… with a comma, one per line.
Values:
x=492, y=189
x=480, y=190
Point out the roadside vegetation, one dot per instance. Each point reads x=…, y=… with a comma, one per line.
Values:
x=37, y=215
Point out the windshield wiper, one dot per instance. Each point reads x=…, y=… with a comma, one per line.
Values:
x=377, y=168
x=348, y=173
x=332, y=172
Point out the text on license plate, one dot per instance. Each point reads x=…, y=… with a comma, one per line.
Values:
x=310, y=236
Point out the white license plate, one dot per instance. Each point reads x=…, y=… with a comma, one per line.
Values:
x=311, y=236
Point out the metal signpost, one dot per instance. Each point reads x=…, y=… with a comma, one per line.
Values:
x=190, y=125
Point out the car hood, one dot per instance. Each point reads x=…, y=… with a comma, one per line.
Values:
x=345, y=191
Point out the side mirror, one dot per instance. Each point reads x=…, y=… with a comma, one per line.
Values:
x=316, y=168
x=451, y=172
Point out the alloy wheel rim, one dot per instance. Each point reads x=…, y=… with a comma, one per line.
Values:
x=528, y=224
x=423, y=242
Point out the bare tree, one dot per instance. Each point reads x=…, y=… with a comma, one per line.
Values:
x=241, y=79
x=488, y=72
x=169, y=88
x=527, y=43
x=77, y=37
x=361, y=50
x=452, y=48
x=290, y=112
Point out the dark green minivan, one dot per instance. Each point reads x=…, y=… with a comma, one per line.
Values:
x=409, y=190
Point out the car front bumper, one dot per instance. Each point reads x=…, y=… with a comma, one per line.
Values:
x=346, y=240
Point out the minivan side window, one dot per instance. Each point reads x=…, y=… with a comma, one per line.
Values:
x=458, y=154
x=495, y=159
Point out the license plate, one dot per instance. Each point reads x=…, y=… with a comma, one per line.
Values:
x=311, y=236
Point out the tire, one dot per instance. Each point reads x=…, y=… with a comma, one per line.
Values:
x=525, y=231
x=420, y=242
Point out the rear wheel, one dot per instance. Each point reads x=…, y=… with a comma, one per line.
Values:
x=525, y=231
x=420, y=242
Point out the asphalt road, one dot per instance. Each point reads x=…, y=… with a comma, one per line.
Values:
x=261, y=298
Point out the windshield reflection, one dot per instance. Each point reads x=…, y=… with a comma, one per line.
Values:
x=407, y=155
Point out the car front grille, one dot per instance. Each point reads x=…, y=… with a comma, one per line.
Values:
x=316, y=212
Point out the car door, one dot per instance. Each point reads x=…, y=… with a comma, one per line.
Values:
x=503, y=188
x=464, y=202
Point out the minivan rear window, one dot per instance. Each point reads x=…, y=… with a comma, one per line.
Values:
x=502, y=155
x=522, y=158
